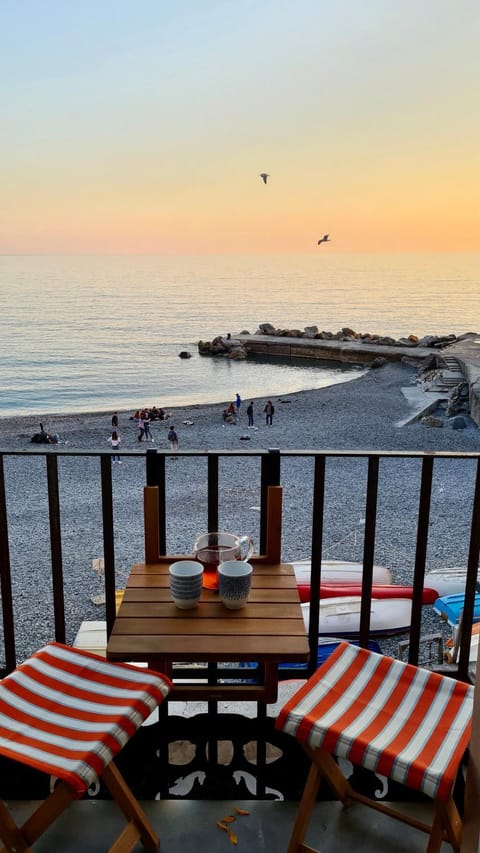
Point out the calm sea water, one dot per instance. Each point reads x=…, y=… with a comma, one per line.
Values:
x=93, y=333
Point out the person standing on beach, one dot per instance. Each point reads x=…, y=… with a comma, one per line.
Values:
x=115, y=441
x=146, y=426
x=115, y=420
x=250, y=414
x=141, y=425
x=172, y=438
x=269, y=412
x=238, y=402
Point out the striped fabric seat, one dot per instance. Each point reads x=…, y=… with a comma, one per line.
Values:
x=68, y=712
x=401, y=721
x=407, y=723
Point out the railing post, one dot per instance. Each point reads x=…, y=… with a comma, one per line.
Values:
x=56, y=548
x=420, y=557
x=212, y=505
x=270, y=476
x=6, y=580
x=369, y=549
x=316, y=559
x=471, y=583
x=108, y=546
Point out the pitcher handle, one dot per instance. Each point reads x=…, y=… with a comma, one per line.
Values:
x=246, y=540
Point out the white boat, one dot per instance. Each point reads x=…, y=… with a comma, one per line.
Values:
x=449, y=581
x=340, y=571
x=340, y=617
x=92, y=637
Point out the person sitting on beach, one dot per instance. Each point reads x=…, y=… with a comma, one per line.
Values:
x=43, y=437
x=229, y=415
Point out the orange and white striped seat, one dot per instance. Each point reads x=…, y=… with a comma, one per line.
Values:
x=68, y=713
x=407, y=723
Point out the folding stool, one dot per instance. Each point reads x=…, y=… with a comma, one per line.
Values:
x=68, y=713
x=398, y=720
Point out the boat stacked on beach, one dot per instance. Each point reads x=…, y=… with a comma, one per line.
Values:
x=340, y=596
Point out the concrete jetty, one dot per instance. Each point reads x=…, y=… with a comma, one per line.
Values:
x=353, y=352
x=466, y=349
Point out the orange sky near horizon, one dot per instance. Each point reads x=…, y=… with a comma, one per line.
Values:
x=147, y=133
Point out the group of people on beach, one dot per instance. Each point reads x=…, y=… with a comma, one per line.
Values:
x=143, y=419
x=44, y=437
x=231, y=414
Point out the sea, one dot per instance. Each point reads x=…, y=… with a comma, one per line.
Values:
x=100, y=332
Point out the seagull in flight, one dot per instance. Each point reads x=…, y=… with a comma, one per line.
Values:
x=264, y=176
x=324, y=239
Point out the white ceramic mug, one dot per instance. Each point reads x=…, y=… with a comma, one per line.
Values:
x=234, y=582
x=186, y=583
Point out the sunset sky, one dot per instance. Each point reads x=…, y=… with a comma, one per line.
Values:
x=143, y=126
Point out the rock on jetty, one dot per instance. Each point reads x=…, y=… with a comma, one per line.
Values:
x=226, y=346
x=347, y=334
x=344, y=345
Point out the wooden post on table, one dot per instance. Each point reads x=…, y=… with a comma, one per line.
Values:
x=150, y=521
x=273, y=548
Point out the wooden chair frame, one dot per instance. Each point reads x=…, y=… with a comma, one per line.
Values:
x=272, y=554
x=446, y=825
x=138, y=827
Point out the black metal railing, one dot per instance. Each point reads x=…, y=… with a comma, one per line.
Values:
x=309, y=476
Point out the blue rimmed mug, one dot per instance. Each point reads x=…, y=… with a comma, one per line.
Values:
x=186, y=578
x=234, y=582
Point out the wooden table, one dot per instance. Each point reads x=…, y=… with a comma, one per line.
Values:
x=268, y=630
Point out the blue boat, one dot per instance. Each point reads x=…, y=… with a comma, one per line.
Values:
x=450, y=607
x=326, y=646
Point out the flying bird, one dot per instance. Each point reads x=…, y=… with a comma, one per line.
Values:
x=324, y=239
x=264, y=176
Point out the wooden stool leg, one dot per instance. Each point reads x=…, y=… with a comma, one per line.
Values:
x=139, y=825
x=10, y=833
x=304, y=812
x=330, y=770
x=323, y=767
x=447, y=822
x=41, y=818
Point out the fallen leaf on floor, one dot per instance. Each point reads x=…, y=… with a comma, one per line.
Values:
x=228, y=819
x=233, y=838
x=222, y=825
x=241, y=811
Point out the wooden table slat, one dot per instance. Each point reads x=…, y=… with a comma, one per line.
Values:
x=139, y=647
x=162, y=594
x=161, y=580
x=248, y=626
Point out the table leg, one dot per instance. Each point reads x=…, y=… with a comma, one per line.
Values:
x=271, y=682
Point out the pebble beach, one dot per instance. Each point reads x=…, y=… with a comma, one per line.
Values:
x=360, y=415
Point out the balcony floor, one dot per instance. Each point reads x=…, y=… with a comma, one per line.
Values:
x=188, y=826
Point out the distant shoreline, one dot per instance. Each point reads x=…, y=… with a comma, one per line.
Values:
x=357, y=414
